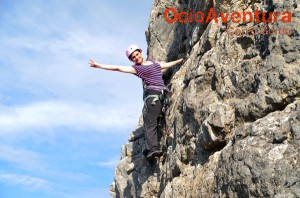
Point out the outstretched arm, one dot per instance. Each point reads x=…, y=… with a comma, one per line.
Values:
x=125, y=69
x=170, y=64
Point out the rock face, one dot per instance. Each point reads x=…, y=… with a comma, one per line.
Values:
x=234, y=110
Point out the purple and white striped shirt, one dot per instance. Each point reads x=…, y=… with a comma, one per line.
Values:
x=150, y=74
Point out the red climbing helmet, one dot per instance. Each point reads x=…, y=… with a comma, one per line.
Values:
x=131, y=49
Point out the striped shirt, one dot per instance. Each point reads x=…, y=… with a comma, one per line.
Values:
x=150, y=74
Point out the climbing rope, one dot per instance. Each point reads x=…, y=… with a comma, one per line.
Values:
x=168, y=136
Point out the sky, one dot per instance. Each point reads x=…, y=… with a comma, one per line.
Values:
x=62, y=123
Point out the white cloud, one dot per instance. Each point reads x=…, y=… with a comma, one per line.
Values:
x=35, y=163
x=25, y=181
x=57, y=66
x=111, y=163
x=48, y=54
x=21, y=158
x=76, y=115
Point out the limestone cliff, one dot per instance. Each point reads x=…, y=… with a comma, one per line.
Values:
x=235, y=107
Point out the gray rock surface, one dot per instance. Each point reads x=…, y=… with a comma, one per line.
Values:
x=234, y=111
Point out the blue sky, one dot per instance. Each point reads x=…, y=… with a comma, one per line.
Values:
x=62, y=123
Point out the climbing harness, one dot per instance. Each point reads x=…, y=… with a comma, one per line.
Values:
x=145, y=86
x=156, y=97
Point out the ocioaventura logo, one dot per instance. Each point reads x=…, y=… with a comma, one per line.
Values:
x=171, y=15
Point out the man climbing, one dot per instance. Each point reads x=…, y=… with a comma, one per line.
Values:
x=150, y=73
